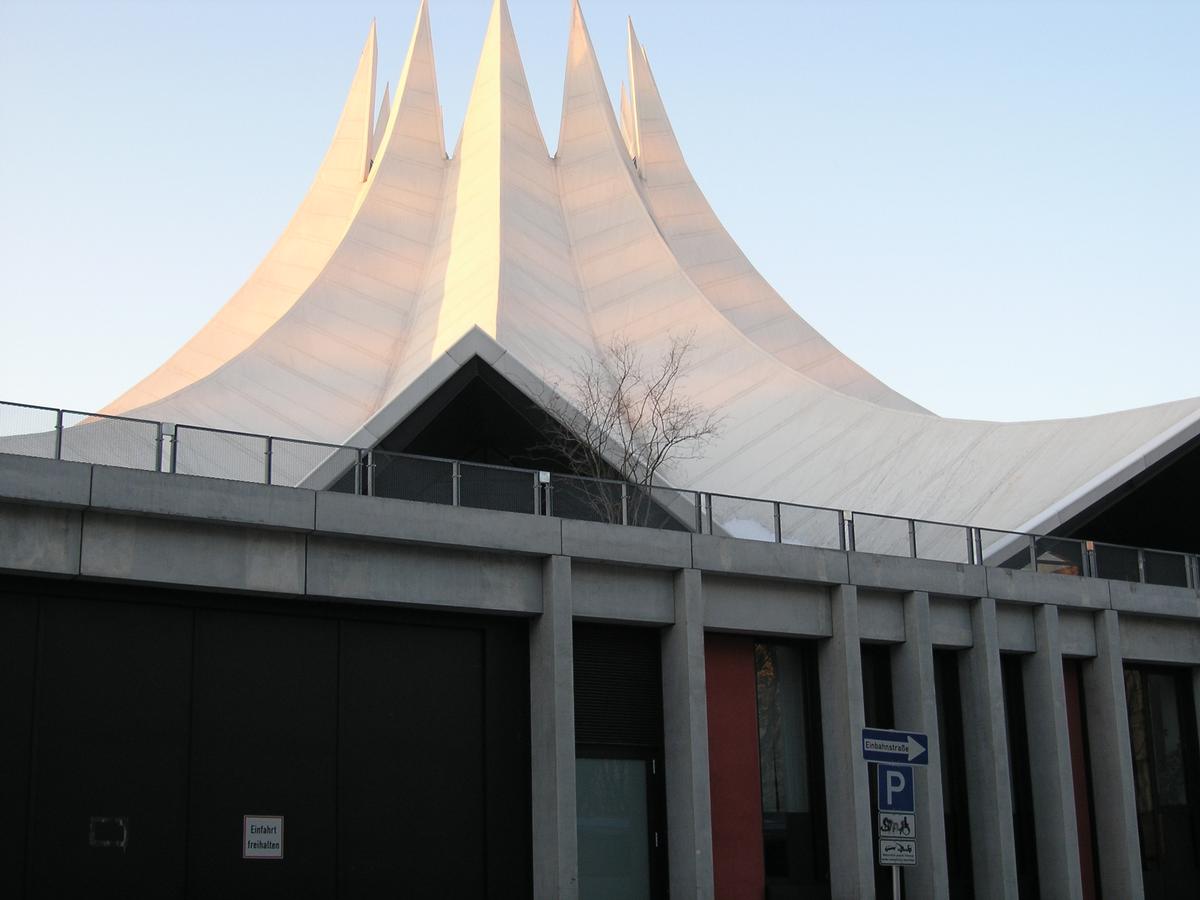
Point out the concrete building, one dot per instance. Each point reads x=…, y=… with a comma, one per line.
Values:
x=313, y=611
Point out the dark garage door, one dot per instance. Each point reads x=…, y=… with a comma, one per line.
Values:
x=394, y=747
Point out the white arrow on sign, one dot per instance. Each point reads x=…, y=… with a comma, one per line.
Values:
x=914, y=749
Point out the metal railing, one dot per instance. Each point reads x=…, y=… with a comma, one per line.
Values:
x=263, y=459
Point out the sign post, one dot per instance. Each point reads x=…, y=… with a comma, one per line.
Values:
x=894, y=753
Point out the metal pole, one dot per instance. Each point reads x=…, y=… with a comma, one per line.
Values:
x=699, y=515
x=1142, y=566
x=850, y=542
x=359, y=472
x=971, y=560
x=778, y=523
x=912, y=541
x=456, y=483
x=710, y=528
x=158, y=439
x=267, y=461
x=58, y=431
x=624, y=503
x=174, y=449
x=1033, y=553
x=895, y=883
x=370, y=473
x=841, y=530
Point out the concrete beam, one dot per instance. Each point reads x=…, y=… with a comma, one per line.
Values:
x=903, y=573
x=1050, y=762
x=210, y=499
x=431, y=524
x=192, y=554
x=626, y=544
x=685, y=729
x=40, y=539
x=916, y=710
x=431, y=577
x=767, y=560
x=985, y=733
x=552, y=744
x=28, y=479
x=1114, y=806
x=847, y=796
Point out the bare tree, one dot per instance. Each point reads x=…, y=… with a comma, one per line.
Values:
x=627, y=420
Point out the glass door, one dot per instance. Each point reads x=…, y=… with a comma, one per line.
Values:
x=613, y=828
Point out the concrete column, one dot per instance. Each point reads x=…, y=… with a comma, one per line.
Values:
x=847, y=797
x=985, y=740
x=1114, y=807
x=1050, y=769
x=915, y=702
x=552, y=750
x=685, y=731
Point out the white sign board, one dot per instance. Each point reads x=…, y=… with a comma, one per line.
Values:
x=897, y=852
x=898, y=825
x=262, y=837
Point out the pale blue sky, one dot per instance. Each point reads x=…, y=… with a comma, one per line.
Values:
x=992, y=205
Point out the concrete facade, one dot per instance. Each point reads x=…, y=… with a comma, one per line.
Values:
x=107, y=524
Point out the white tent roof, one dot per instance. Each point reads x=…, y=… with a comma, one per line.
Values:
x=402, y=259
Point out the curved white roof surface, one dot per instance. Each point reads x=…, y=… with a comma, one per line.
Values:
x=403, y=261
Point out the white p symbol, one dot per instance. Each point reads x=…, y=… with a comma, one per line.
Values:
x=895, y=784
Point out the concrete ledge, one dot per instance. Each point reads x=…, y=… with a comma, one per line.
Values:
x=429, y=523
x=768, y=560
x=623, y=594
x=192, y=554
x=420, y=576
x=761, y=606
x=881, y=616
x=902, y=573
x=1014, y=628
x=626, y=544
x=1059, y=590
x=208, y=499
x=1154, y=600
x=39, y=539
x=1156, y=640
x=28, y=479
x=950, y=622
x=1077, y=632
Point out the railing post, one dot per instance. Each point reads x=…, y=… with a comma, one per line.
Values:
x=267, y=460
x=174, y=449
x=841, y=530
x=699, y=515
x=848, y=518
x=1141, y=566
x=1089, y=559
x=370, y=473
x=1032, y=553
x=778, y=523
x=1194, y=572
x=979, y=560
x=912, y=538
x=358, y=472
x=58, y=434
x=158, y=447
x=456, y=483
x=625, y=503
x=709, y=510
x=537, y=495
x=972, y=560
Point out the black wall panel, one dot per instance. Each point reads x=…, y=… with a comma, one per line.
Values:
x=111, y=744
x=264, y=742
x=412, y=762
x=18, y=655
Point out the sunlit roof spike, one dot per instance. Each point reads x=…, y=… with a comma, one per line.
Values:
x=291, y=265
x=417, y=88
x=633, y=53
x=381, y=121
x=715, y=263
x=584, y=90
x=627, y=121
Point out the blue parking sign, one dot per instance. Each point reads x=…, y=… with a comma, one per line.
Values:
x=896, y=793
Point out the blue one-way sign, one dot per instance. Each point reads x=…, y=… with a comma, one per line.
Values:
x=907, y=747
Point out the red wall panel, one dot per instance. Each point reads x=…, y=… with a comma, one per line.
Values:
x=733, y=768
